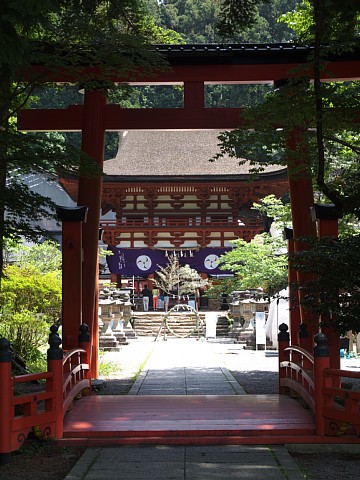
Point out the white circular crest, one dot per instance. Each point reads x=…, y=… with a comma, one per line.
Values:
x=143, y=262
x=211, y=261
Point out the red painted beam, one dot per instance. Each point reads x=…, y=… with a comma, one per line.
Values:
x=51, y=120
x=117, y=118
x=172, y=118
x=246, y=72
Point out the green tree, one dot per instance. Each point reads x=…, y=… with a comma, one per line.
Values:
x=28, y=334
x=324, y=111
x=261, y=263
x=58, y=34
x=30, y=302
x=44, y=257
x=28, y=289
x=334, y=291
x=210, y=21
x=275, y=211
x=30, y=299
x=326, y=114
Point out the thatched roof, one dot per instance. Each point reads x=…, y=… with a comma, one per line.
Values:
x=173, y=153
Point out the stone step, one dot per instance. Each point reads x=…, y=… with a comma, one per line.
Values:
x=181, y=323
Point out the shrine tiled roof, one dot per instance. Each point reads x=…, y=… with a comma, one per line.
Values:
x=257, y=53
x=233, y=53
x=173, y=154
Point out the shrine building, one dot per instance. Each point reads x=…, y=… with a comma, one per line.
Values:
x=162, y=194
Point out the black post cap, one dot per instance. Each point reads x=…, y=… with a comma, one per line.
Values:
x=72, y=214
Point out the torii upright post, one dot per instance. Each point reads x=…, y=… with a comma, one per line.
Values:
x=294, y=310
x=301, y=199
x=72, y=219
x=89, y=194
x=327, y=219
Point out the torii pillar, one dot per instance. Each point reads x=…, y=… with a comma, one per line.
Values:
x=301, y=200
x=89, y=194
x=294, y=309
x=327, y=219
x=72, y=219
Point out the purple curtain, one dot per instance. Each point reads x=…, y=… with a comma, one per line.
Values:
x=142, y=261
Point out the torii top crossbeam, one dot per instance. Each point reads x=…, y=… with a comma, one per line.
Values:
x=192, y=66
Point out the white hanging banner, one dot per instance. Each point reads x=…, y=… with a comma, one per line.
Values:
x=260, y=328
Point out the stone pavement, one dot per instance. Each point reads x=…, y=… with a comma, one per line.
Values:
x=223, y=462
x=187, y=367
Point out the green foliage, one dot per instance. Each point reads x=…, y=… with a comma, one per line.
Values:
x=321, y=112
x=259, y=143
x=27, y=289
x=30, y=298
x=273, y=208
x=333, y=288
x=237, y=95
x=210, y=21
x=44, y=257
x=261, y=263
x=340, y=20
x=108, y=368
x=181, y=279
x=224, y=285
x=237, y=16
x=60, y=34
x=27, y=333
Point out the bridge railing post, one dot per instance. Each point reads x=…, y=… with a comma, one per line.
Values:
x=304, y=341
x=321, y=362
x=84, y=341
x=55, y=357
x=283, y=342
x=304, y=336
x=6, y=392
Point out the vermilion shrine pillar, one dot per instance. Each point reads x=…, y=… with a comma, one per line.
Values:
x=294, y=310
x=89, y=194
x=72, y=219
x=302, y=199
x=327, y=217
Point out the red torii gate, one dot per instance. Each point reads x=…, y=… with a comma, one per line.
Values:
x=193, y=66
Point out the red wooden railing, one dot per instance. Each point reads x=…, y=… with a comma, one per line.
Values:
x=42, y=411
x=297, y=374
x=341, y=406
x=336, y=408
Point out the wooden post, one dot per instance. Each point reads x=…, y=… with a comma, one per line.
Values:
x=6, y=411
x=294, y=310
x=307, y=344
x=84, y=342
x=71, y=273
x=89, y=194
x=304, y=340
x=194, y=96
x=326, y=218
x=283, y=342
x=321, y=362
x=55, y=357
x=301, y=199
